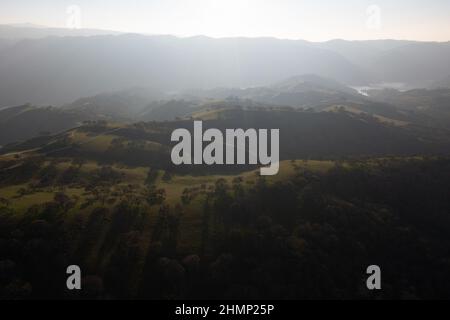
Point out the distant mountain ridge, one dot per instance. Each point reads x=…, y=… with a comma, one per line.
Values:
x=57, y=70
x=56, y=66
x=31, y=31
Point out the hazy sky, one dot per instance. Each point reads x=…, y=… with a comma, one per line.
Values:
x=315, y=20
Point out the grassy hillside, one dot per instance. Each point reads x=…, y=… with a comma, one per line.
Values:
x=342, y=131
x=106, y=197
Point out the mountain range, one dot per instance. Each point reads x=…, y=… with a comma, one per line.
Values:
x=59, y=66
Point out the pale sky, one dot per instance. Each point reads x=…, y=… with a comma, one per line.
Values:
x=316, y=20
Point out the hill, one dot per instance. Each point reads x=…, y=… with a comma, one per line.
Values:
x=301, y=91
x=303, y=135
x=121, y=105
x=351, y=188
x=428, y=107
x=27, y=121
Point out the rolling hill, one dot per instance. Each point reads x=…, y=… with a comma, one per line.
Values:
x=141, y=231
x=27, y=121
x=429, y=107
x=315, y=135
